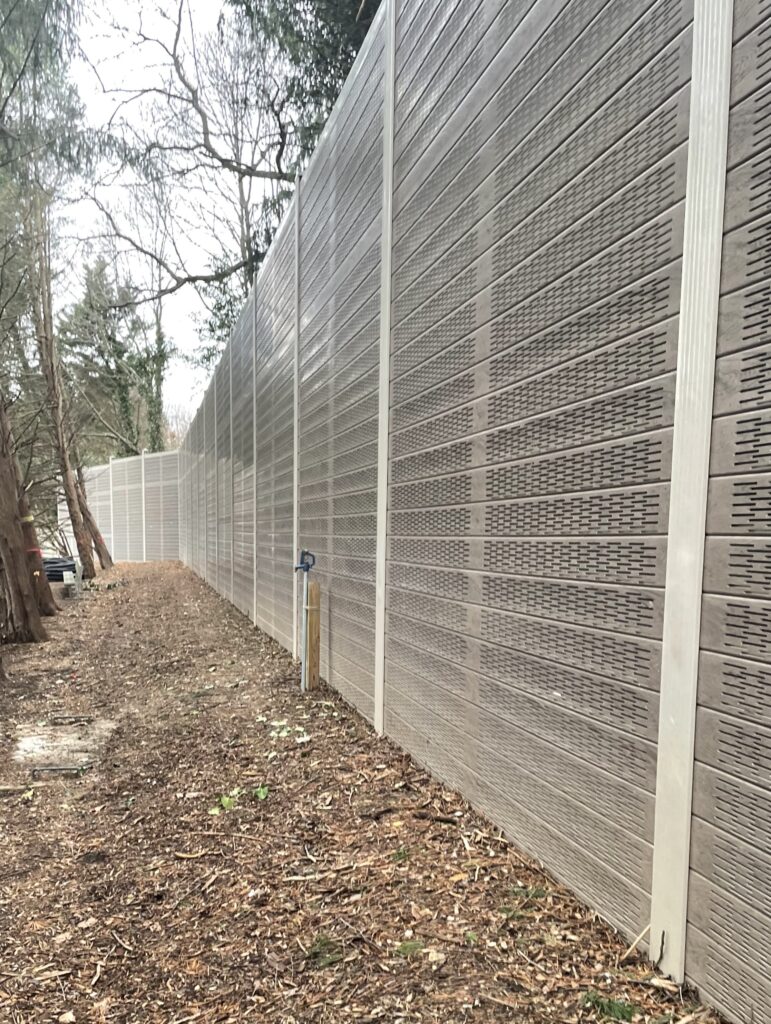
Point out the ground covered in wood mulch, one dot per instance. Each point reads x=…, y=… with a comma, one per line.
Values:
x=238, y=852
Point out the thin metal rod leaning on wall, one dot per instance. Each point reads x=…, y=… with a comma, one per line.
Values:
x=705, y=196
x=296, y=422
x=384, y=395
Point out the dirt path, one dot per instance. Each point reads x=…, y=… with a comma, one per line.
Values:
x=239, y=853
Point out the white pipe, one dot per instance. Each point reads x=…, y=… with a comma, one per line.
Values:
x=304, y=669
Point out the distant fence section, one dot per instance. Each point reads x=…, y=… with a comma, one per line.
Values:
x=135, y=502
x=506, y=371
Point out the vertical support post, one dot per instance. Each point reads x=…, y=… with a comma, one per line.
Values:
x=144, y=511
x=254, y=453
x=112, y=515
x=384, y=393
x=232, y=474
x=703, y=237
x=202, y=481
x=182, y=485
x=296, y=424
x=215, y=583
x=314, y=635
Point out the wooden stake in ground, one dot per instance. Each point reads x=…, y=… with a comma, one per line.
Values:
x=314, y=634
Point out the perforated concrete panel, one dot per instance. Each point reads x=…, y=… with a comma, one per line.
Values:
x=161, y=500
x=728, y=949
x=211, y=487
x=541, y=154
x=224, y=476
x=128, y=510
x=274, y=313
x=99, y=497
x=200, y=499
x=242, y=376
x=340, y=238
x=185, y=484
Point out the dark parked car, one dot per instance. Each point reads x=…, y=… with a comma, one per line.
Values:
x=55, y=568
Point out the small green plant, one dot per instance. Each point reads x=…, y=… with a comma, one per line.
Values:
x=260, y=792
x=226, y=802
x=409, y=948
x=471, y=938
x=325, y=951
x=401, y=854
x=610, y=1009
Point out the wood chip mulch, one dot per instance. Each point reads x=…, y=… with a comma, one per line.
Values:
x=237, y=852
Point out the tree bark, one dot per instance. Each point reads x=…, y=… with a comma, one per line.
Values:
x=45, y=599
x=160, y=357
x=22, y=622
x=102, y=552
x=49, y=362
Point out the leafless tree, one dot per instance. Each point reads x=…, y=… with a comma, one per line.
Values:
x=212, y=145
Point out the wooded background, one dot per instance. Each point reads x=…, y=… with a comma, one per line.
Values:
x=208, y=126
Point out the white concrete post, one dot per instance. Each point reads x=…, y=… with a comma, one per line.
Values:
x=216, y=581
x=254, y=453
x=384, y=397
x=202, y=483
x=705, y=195
x=296, y=435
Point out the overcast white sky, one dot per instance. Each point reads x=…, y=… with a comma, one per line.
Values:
x=119, y=63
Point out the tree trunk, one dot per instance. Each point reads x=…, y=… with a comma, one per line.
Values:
x=49, y=362
x=21, y=616
x=43, y=594
x=102, y=552
x=159, y=360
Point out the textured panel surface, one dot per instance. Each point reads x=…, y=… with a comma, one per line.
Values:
x=162, y=514
x=242, y=354
x=340, y=240
x=201, y=500
x=728, y=951
x=224, y=476
x=211, y=490
x=541, y=155
x=128, y=510
x=274, y=319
